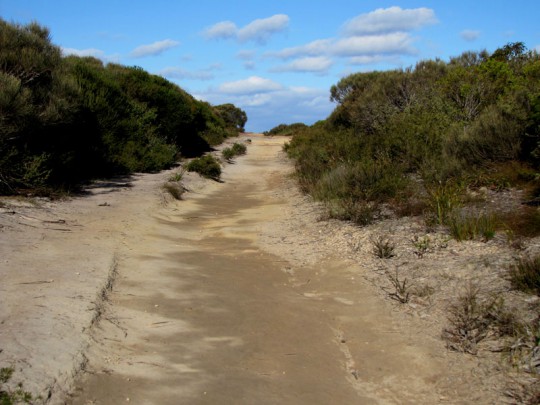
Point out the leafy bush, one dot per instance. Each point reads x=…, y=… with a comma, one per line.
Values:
x=125, y=119
x=235, y=150
x=437, y=128
x=286, y=129
x=207, y=166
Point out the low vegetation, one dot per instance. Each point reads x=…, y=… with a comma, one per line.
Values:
x=286, y=129
x=418, y=140
x=231, y=152
x=525, y=274
x=66, y=120
x=207, y=166
x=12, y=396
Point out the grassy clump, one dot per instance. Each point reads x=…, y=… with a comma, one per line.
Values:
x=525, y=274
x=174, y=189
x=207, y=166
x=236, y=150
x=471, y=226
x=12, y=396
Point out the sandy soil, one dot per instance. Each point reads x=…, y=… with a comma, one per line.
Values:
x=237, y=294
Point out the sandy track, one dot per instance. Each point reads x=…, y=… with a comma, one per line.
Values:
x=225, y=297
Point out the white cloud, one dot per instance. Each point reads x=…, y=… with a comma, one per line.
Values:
x=373, y=59
x=224, y=29
x=259, y=30
x=317, y=64
x=179, y=73
x=314, y=48
x=390, y=20
x=469, y=35
x=384, y=44
x=392, y=43
x=251, y=85
x=154, y=49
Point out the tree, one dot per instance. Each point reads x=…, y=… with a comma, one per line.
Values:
x=232, y=115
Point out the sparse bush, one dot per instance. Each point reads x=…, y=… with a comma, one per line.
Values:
x=360, y=212
x=525, y=274
x=402, y=288
x=472, y=316
x=383, y=248
x=175, y=189
x=207, y=166
x=178, y=176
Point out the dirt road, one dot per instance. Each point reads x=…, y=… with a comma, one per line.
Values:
x=205, y=310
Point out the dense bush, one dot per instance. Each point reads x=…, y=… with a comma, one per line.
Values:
x=286, y=129
x=207, y=166
x=443, y=126
x=64, y=120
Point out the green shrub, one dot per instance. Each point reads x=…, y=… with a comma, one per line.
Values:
x=228, y=154
x=360, y=212
x=525, y=274
x=207, y=166
x=239, y=149
x=470, y=226
x=235, y=150
x=443, y=200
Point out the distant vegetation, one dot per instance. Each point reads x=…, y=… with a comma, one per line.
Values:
x=416, y=141
x=286, y=129
x=64, y=120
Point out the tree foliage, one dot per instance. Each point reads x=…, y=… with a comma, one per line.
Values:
x=64, y=120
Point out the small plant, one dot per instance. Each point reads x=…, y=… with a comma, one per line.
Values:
x=9, y=396
x=175, y=189
x=525, y=274
x=471, y=318
x=178, y=176
x=383, y=248
x=443, y=200
x=401, y=291
x=421, y=245
x=207, y=166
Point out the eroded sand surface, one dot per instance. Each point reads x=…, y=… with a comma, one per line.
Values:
x=214, y=300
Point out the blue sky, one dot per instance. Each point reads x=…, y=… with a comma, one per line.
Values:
x=275, y=59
